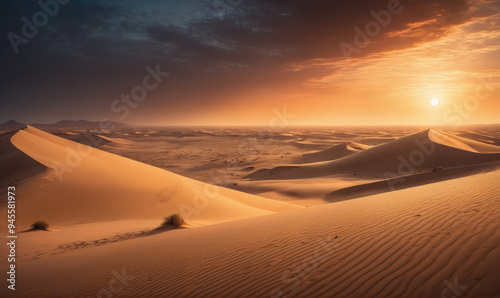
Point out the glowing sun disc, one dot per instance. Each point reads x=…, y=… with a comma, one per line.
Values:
x=435, y=101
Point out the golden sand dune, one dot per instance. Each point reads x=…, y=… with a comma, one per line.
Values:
x=332, y=153
x=85, y=184
x=14, y=164
x=426, y=241
x=374, y=141
x=434, y=240
x=420, y=152
x=466, y=144
x=479, y=137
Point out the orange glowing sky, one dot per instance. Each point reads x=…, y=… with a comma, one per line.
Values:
x=242, y=69
x=396, y=87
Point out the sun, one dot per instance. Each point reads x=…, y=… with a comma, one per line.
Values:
x=434, y=101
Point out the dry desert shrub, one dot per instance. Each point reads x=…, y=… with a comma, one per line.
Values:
x=40, y=225
x=173, y=220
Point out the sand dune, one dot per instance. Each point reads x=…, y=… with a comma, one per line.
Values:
x=374, y=141
x=85, y=137
x=14, y=163
x=410, y=243
x=438, y=225
x=332, y=153
x=89, y=185
x=392, y=184
x=301, y=144
x=120, y=141
x=420, y=152
x=479, y=137
x=451, y=140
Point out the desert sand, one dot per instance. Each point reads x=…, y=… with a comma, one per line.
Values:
x=301, y=212
x=119, y=185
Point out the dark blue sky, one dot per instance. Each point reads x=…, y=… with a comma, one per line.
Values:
x=220, y=59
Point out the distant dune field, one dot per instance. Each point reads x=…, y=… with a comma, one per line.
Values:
x=406, y=212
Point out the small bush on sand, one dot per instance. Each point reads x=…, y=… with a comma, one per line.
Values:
x=173, y=220
x=40, y=225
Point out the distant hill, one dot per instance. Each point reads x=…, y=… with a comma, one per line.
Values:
x=78, y=124
x=12, y=125
x=84, y=124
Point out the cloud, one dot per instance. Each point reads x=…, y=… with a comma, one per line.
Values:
x=94, y=50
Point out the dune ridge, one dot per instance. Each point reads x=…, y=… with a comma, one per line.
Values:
x=420, y=152
x=407, y=243
x=439, y=227
x=462, y=143
x=332, y=153
x=103, y=186
x=15, y=165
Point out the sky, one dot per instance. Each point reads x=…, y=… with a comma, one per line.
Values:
x=243, y=62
